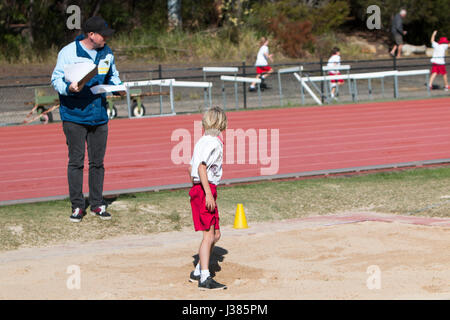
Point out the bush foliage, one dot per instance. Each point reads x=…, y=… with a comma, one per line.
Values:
x=294, y=23
x=292, y=43
x=33, y=28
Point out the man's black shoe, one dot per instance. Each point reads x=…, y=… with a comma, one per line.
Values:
x=101, y=213
x=77, y=215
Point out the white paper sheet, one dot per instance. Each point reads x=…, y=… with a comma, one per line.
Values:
x=104, y=88
x=77, y=71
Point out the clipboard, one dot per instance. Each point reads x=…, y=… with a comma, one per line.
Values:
x=88, y=77
x=80, y=72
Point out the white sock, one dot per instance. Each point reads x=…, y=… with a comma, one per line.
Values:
x=197, y=270
x=204, y=274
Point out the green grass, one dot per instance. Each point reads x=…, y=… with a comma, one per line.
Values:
x=418, y=191
x=208, y=46
x=205, y=46
x=164, y=47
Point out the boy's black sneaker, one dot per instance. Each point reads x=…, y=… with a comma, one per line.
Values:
x=251, y=89
x=101, y=213
x=77, y=215
x=211, y=284
x=193, y=277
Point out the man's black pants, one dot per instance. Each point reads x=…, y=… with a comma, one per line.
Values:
x=76, y=137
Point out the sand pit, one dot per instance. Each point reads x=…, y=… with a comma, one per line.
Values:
x=324, y=257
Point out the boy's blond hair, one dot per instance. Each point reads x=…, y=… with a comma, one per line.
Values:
x=214, y=121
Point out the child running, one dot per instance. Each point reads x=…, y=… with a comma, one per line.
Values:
x=438, y=60
x=263, y=70
x=334, y=61
x=205, y=172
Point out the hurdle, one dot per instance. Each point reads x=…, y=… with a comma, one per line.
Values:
x=382, y=75
x=288, y=70
x=308, y=78
x=145, y=83
x=425, y=72
x=353, y=78
x=304, y=85
x=369, y=76
x=216, y=70
x=171, y=83
x=236, y=79
x=191, y=84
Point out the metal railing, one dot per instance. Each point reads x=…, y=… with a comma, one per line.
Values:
x=15, y=91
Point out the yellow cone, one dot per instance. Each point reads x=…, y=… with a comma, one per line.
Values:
x=240, y=222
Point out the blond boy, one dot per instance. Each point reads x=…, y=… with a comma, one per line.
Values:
x=206, y=171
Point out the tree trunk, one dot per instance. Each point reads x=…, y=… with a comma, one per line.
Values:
x=96, y=8
x=28, y=32
x=218, y=13
x=174, y=14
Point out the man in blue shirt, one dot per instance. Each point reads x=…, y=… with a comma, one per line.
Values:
x=84, y=115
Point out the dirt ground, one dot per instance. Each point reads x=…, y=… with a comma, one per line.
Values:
x=323, y=257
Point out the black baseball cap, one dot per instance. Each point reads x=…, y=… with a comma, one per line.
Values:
x=97, y=25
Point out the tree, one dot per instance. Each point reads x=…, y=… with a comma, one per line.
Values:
x=174, y=13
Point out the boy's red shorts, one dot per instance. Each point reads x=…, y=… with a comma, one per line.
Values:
x=202, y=217
x=336, y=74
x=438, y=68
x=265, y=69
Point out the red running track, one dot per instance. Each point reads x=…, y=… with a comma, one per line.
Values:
x=33, y=159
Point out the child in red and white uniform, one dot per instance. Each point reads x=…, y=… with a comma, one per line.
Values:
x=334, y=61
x=438, y=60
x=205, y=172
x=263, y=69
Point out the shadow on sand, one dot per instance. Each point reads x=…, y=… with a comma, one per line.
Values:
x=216, y=257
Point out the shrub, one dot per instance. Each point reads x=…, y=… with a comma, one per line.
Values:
x=295, y=24
x=292, y=43
x=325, y=16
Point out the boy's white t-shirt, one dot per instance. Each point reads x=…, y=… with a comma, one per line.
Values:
x=208, y=150
x=261, y=60
x=335, y=60
x=439, y=52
